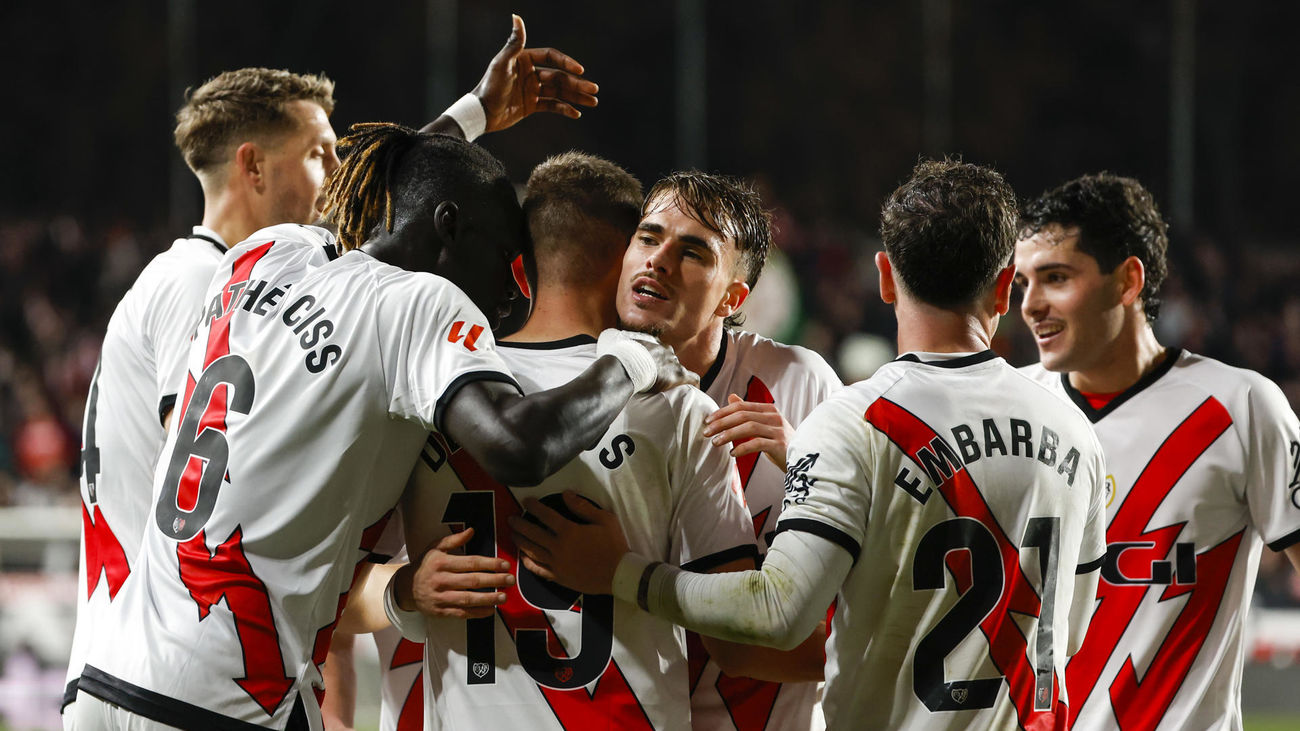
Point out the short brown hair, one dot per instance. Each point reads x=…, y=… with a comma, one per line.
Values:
x=236, y=105
x=582, y=210
x=949, y=230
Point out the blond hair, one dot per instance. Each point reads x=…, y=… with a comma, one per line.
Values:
x=237, y=105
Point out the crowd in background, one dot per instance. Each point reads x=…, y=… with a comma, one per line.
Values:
x=1229, y=300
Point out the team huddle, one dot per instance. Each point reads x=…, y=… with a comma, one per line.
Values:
x=530, y=448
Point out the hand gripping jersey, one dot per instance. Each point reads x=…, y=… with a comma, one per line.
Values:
x=311, y=386
x=796, y=380
x=142, y=360
x=971, y=499
x=550, y=658
x=1204, y=468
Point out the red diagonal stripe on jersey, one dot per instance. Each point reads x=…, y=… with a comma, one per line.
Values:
x=1141, y=704
x=219, y=329
x=369, y=537
x=757, y=392
x=405, y=653
x=1117, y=603
x=1007, y=646
x=412, y=716
x=226, y=573
x=104, y=554
x=613, y=704
x=214, y=412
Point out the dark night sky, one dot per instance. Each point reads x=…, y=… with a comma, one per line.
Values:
x=822, y=99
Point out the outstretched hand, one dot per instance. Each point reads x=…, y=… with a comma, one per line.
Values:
x=520, y=81
x=449, y=585
x=582, y=556
x=750, y=427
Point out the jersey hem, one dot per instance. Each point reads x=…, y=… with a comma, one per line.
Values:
x=1091, y=566
x=69, y=694
x=704, y=564
x=460, y=382
x=1285, y=542
x=822, y=530
x=164, y=709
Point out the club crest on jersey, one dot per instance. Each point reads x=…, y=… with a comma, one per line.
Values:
x=480, y=669
x=178, y=525
x=470, y=336
x=797, y=481
x=564, y=675
x=1110, y=490
x=960, y=694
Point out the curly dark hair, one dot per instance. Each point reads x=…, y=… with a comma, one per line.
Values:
x=949, y=230
x=1116, y=217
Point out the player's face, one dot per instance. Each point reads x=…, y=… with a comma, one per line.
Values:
x=297, y=164
x=479, y=262
x=677, y=274
x=1073, y=309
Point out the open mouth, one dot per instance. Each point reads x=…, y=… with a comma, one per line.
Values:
x=647, y=287
x=1048, y=330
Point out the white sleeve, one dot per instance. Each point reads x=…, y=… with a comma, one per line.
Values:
x=711, y=525
x=1092, y=553
x=432, y=341
x=827, y=481
x=1272, y=471
x=778, y=606
x=173, y=311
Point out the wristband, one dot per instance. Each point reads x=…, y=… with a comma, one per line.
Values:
x=409, y=623
x=468, y=113
x=643, y=586
x=636, y=360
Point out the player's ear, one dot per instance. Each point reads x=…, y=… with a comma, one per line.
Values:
x=250, y=163
x=735, y=296
x=1132, y=278
x=446, y=220
x=888, y=293
x=1002, y=290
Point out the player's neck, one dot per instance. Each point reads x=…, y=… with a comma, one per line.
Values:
x=928, y=329
x=698, y=353
x=1130, y=357
x=229, y=217
x=561, y=312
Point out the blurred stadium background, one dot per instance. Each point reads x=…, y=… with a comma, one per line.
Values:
x=827, y=105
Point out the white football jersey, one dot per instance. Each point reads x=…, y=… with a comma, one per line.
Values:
x=970, y=498
x=551, y=658
x=310, y=389
x=1204, y=468
x=401, y=689
x=140, y=363
x=796, y=380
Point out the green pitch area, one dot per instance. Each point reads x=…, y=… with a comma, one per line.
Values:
x=1271, y=722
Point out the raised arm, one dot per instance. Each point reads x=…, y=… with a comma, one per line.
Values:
x=520, y=440
x=518, y=82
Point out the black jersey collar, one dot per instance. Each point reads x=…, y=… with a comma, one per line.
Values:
x=1172, y=355
x=550, y=344
x=712, y=373
x=217, y=243
x=966, y=360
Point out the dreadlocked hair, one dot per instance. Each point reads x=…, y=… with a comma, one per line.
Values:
x=359, y=194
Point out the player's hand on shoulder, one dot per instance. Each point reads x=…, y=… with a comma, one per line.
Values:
x=446, y=584
x=580, y=555
x=520, y=81
x=652, y=366
x=750, y=427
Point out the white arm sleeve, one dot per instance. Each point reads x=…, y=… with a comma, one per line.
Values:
x=778, y=606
